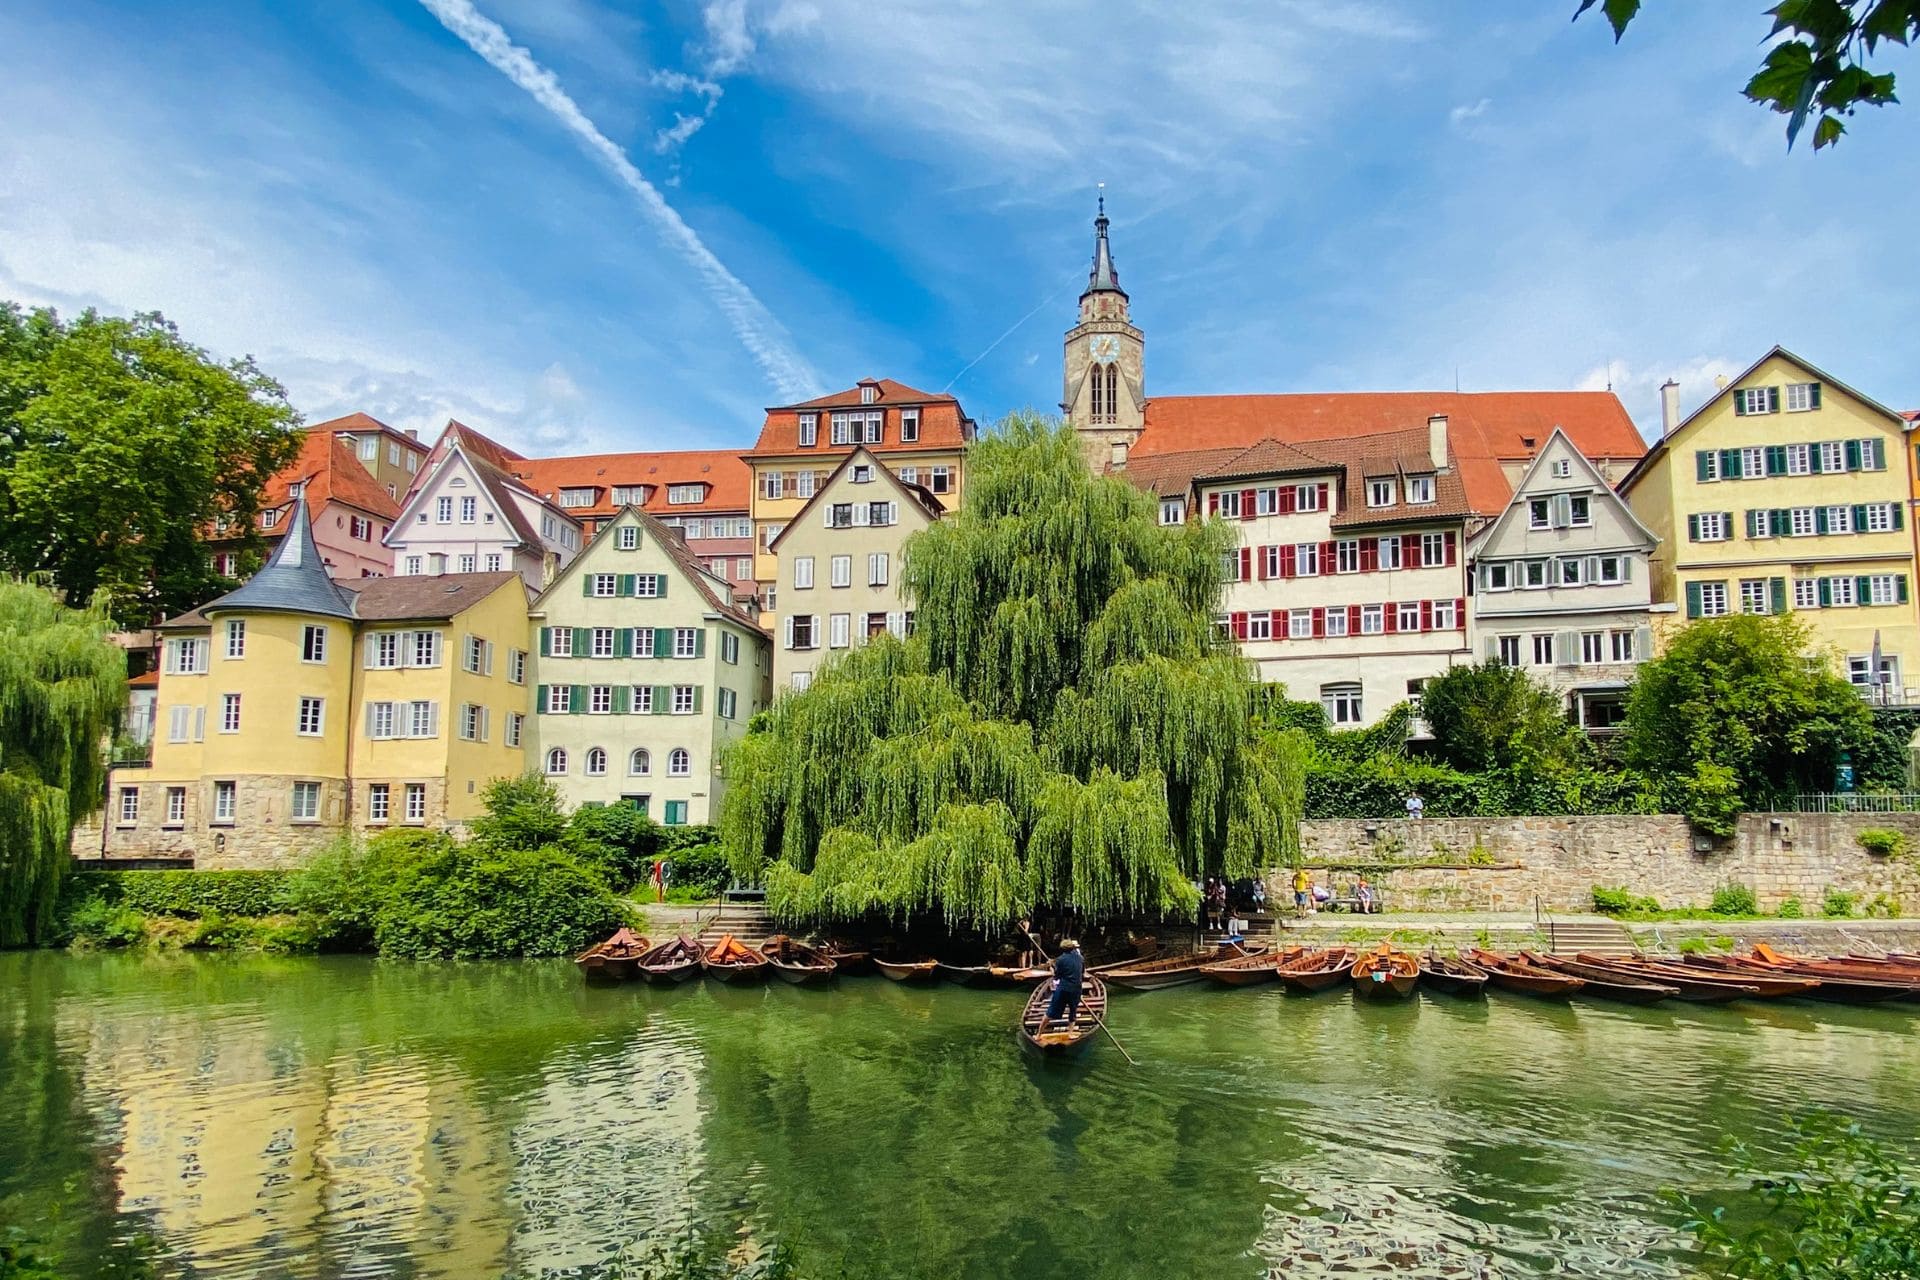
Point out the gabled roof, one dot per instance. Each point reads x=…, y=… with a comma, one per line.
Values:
x=728, y=478
x=1593, y=477
x=891, y=393
x=424, y=598
x=669, y=539
x=488, y=461
x=327, y=472
x=1819, y=375
x=919, y=496
x=943, y=424
x=294, y=579
x=1167, y=474
x=360, y=424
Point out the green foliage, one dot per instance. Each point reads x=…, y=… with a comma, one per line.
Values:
x=186, y=894
x=699, y=871
x=63, y=683
x=521, y=812
x=1693, y=947
x=1882, y=842
x=1619, y=902
x=1844, y=1208
x=1791, y=909
x=1493, y=716
x=1064, y=728
x=1734, y=709
x=1820, y=69
x=615, y=841
x=96, y=922
x=1734, y=900
x=1884, y=907
x=1377, y=787
x=121, y=446
x=18, y=1259
x=1883, y=760
x=1838, y=904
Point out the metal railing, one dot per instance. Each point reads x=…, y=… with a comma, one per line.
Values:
x=1857, y=802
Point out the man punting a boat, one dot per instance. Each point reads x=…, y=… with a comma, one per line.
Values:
x=1069, y=972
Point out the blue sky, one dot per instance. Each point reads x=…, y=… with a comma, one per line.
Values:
x=704, y=208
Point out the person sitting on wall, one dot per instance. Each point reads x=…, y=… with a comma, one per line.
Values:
x=1363, y=895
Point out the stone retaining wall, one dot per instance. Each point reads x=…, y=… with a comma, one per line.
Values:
x=1505, y=864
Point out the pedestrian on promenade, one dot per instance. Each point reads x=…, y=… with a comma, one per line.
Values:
x=1416, y=807
x=1301, y=883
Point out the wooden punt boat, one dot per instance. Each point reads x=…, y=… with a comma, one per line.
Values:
x=612, y=960
x=1061, y=1039
x=1313, y=971
x=732, y=960
x=922, y=970
x=1603, y=982
x=1147, y=950
x=1385, y=974
x=1000, y=973
x=847, y=958
x=670, y=962
x=1510, y=974
x=1839, y=980
x=1174, y=970
x=1702, y=986
x=1454, y=976
x=1249, y=970
x=794, y=961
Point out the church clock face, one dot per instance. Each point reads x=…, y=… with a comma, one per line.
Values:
x=1104, y=348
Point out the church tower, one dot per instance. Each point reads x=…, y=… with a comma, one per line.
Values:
x=1105, y=362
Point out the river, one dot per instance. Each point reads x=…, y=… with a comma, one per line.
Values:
x=262, y=1117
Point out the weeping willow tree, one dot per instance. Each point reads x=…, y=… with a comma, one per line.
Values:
x=1065, y=728
x=62, y=685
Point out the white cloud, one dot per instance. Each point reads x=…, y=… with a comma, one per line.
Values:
x=763, y=336
x=1464, y=115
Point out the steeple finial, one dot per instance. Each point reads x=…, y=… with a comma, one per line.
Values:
x=1103, y=278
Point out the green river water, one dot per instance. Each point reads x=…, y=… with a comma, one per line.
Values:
x=258, y=1117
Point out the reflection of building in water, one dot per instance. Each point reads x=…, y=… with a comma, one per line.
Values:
x=238, y=1152
x=606, y=1153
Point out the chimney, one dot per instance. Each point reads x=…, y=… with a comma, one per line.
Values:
x=1669, y=406
x=412, y=433
x=1437, y=440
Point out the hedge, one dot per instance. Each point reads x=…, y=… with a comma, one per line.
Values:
x=1379, y=787
x=185, y=894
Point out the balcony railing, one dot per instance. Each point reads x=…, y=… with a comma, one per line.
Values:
x=1857, y=802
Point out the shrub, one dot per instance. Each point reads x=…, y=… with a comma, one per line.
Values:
x=1490, y=716
x=1734, y=900
x=616, y=841
x=1882, y=842
x=185, y=894
x=469, y=903
x=1693, y=946
x=1883, y=907
x=96, y=922
x=701, y=869
x=522, y=812
x=1791, y=909
x=1837, y=904
x=1619, y=902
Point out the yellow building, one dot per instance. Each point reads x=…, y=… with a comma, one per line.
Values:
x=920, y=437
x=298, y=707
x=1787, y=492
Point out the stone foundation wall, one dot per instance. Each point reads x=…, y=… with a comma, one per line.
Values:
x=1505, y=864
x=261, y=835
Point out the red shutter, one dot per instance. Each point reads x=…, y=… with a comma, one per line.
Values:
x=1453, y=551
x=1411, y=554
x=1323, y=497
x=1369, y=554
x=1246, y=564
x=1284, y=501
x=1319, y=623
x=1353, y=619
x=1246, y=504
x=1287, y=566
x=1389, y=617
x=1239, y=626
x=1213, y=504
x=1260, y=564
x=1459, y=610
x=1426, y=615
x=1327, y=561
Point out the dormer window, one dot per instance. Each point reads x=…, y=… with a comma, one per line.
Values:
x=268, y=519
x=578, y=497
x=1419, y=490
x=679, y=494
x=297, y=488
x=809, y=430
x=863, y=474
x=909, y=425
x=869, y=393
x=1379, y=493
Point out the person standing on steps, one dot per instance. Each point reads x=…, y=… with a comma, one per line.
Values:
x=1301, y=884
x=1069, y=973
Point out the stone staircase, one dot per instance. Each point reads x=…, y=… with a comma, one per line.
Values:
x=744, y=917
x=1600, y=937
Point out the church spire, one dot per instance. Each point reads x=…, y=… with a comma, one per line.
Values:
x=1103, y=278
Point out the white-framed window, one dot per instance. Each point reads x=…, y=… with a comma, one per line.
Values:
x=236, y=638
x=742, y=568
x=879, y=567
x=600, y=642
x=1508, y=648
x=840, y=571
x=423, y=719
x=1539, y=513
x=413, y=567
x=1342, y=703
x=1839, y=519
x=1753, y=400
x=640, y=642
x=679, y=763
x=1306, y=497
x=909, y=425
x=1713, y=600
x=176, y=806
x=187, y=656
x=1801, y=523
x=1336, y=621
x=862, y=473
x=773, y=485
x=560, y=642
x=1173, y=511
x=556, y=760
x=1306, y=560
x=1799, y=459
x=596, y=762
x=229, y=713
x=516, y=666
x=466, y=564
x=1446, y=615
x=1543, y=648
x=838, y=629
x=1802, y=396
x=516, y=727
x=683, y=700
x=1266, y=502
x=1753, y=462
x=639, y=762
x=1883, y=588
x=312, y=719
x=1713, y=526
x=1433, y=549
x=1753, y=596
x=1833, y=455
x=1561, y=469
x=1841, y=592
x=800, y=631
x=681, y=494
x=1593, y=646
x=1573, y=571
x=493, y=562
x=729, y=648
x=1496, y=575
x=426, y=648
x=809, y=430
x=686, y=642
x=313, y=643
x=1300, y=624
x=1579, y=510
x=1260, y=625
x=416, y=810
x=606, y=584
x=1533, y=574
x=1379, y=493
x=1708, y=463
x=1390, y=551
x=1346, y=555
x=225, y=795
x=729, y=702
x=474, y=655
x=379, y=802
x=443, y=510
x=1879, y=517
x=473, y=722
x=642, y=700
x=1373, y=619
x=469, y=510
x=380, y=720
x=803, y=573
x=1408, y=618
x=306, y=802
x=939, y=478
x=627, y=537
x=1608, y=570
x=1419, y=490
x=600, y=699
x=1622, y=642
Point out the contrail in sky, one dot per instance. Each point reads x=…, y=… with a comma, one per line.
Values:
x=762, y=335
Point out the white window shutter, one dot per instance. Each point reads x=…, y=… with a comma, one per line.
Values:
x=1593, y=568
x=486, y=657
x=1493, y=648
x=433, y=719
x=1566, y=647
x=1642, y=644
x=1626, y=568
x=826, y=514
x=486, y=723
x=893, y=513
x=860, y=513
x=199, y=724
x=789, y=631
x=372, y=651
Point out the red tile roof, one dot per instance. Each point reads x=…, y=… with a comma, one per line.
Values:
x=361, y=424
x=1484, y=429
x=728, y=479
x=329, y=472
x=1356, y=459
x=943, y=424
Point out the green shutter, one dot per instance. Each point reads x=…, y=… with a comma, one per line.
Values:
x=662, y=699
x=1773, y=399
x=1862, y=589
x=1730, y=464
x=621, y=693
x=1826, y=593
x=1819, y=519
x=699, y=643
x=1852, y=449
x=1860, y=517
x=540, y=700
x=1776, y=459
x=1693, y=599
x=577, y=705
x=1899, y=515
x=1814, y=463
x=1777, y=590
x=1739, y=404
x=1813, y=396
x=1700, y=465
x=623, y=642
x=1879, y=454
x=697, y=690
x=623, y=584
x=546, y=642
x=1901, y=581
x=1693, y=528
x=1782, y=522
x=586, y=584
x=660, y=586
x=582, y=642
x=1753, y=525
x=663, y=642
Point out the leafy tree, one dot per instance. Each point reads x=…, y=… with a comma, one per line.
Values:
x=1734, y=715
x=1820, y=69
x=1492, y=716
x=121, y=446
x=62, y=686
x=617, y=841
x=1064, y=728
x=521, y=812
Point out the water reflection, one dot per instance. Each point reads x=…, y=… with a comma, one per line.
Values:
x=350, y=1118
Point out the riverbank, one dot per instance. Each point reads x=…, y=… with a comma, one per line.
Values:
x=1511, y=930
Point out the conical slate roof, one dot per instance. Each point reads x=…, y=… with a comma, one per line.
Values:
x=294, y=579
x=1103, y=278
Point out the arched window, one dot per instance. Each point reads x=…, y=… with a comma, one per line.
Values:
x=557, y=760
x=1098, y=385
x=640, y=762
x=1110, y=374
x=596, y=761
x=679, y=763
